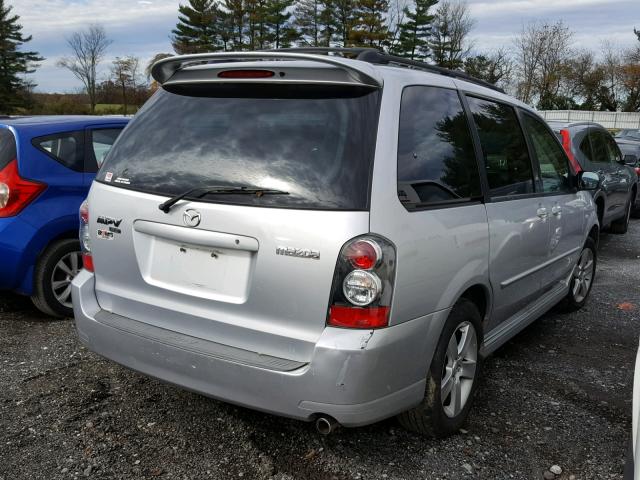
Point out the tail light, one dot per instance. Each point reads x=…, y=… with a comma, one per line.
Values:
x=566, y=144
x=637, y=169
x=363, y=284
x=85, y=237
x=16, y=192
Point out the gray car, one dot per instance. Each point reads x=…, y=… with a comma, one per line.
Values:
x=331, y=239
x=591, y=147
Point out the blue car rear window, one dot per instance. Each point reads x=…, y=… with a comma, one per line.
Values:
x=7, y=147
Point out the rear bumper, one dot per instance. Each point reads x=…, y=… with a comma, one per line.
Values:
x=358, y=377
x=16, y=259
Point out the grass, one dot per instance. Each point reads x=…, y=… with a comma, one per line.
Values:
x=114, y=108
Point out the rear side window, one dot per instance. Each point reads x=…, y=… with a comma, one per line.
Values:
x=612, y=148
x=314, y=142
x=7, y=147
x=436, y=159
x=584, y=148
x=554, y=167
x=599, y=148
x=506, y=158
x=67, y=148
x=100, y=143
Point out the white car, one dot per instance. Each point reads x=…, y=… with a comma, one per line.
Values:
x=632, y=468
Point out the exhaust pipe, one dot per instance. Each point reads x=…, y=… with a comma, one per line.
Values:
x=326, y=425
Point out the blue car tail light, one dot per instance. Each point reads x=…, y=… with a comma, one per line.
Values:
x=16, y=192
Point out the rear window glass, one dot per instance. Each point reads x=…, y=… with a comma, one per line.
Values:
x=7, y=147
x=316, y=143
x=101, y=142
x=436, y=159
x=66, y=148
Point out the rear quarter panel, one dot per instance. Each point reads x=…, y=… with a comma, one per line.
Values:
x=441, y=252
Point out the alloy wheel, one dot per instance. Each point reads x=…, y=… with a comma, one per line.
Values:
x=459, y=369
x=63, y=273
x=583, y=275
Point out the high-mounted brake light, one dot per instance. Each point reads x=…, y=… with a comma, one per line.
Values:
x=16, y=192
x=85, y=237
x=566, y=144
x=363, y=284
x=246, y=74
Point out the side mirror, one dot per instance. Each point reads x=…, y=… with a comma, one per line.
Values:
x=588, y=181
x=630, y=160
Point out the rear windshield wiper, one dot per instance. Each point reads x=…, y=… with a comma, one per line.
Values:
x=200, y=192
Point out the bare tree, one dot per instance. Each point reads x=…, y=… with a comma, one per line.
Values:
x=450, y=43
x=584, y=80
x=395, y=18
x=612, y=66
x=125, y=73
x=88, y=49
x=156, y=58
x=630, y=79
x=494, y=67
x=542, y=52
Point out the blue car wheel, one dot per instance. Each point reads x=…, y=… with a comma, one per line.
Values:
x=55, y=270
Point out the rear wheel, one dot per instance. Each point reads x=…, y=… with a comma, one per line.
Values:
x=453, y=376
x=55, y=270
x=622, y=225
x=582, y=278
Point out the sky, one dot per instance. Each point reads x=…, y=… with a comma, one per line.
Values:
x=143, y=27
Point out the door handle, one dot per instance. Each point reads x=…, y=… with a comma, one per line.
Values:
x=542, y=213
x=556, y=210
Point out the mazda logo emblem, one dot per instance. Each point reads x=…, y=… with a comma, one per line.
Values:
x=191, y=218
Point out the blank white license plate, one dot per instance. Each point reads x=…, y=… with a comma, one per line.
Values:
x=217, y=273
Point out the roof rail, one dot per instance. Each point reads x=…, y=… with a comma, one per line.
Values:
x=164, y=69
x=375, y=56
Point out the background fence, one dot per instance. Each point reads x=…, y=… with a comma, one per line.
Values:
x=606, y=119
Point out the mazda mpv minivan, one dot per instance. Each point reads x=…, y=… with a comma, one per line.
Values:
x=331, y=239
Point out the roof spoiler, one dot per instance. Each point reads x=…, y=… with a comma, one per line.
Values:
x=163, y=70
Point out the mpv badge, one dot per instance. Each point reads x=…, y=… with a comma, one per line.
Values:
x=191, y=218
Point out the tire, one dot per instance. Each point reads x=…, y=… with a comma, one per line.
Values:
x=621, y=225
x=577, y=296
x=635, y=210
x=54, y=271
x=433, y=416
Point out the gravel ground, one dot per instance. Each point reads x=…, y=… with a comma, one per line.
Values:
x=557, y=394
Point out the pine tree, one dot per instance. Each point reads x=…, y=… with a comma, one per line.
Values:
x=415, y=31
x=278, y=17
x=327, y=23
x=442, y=46
x=235, y=22
x=13, y=61
x=197, y=28
x=307, y=14
x=449, y=43
x=369, y=28
x=344, y=19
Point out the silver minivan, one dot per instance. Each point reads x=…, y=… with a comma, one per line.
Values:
x=336, y=236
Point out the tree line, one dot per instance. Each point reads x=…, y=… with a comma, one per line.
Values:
x=540, y=65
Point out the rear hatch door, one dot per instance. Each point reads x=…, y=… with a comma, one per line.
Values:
x=252, y=271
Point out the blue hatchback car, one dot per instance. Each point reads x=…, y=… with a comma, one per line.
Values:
x=47, y=164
